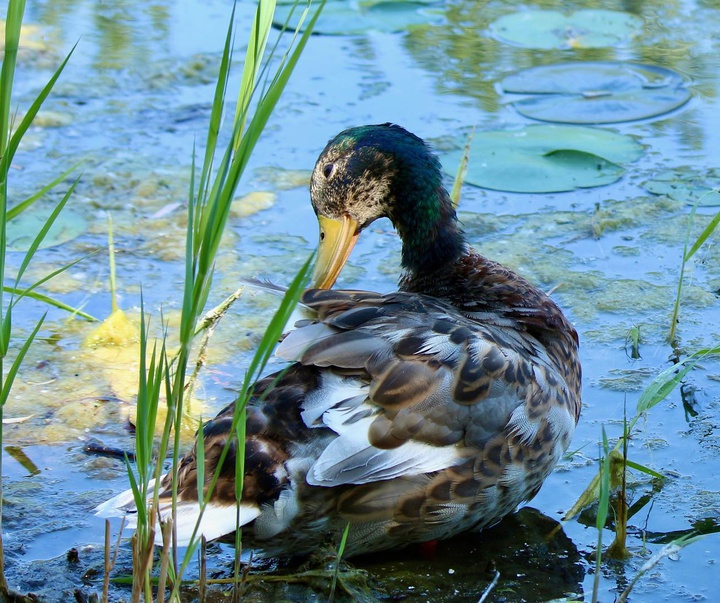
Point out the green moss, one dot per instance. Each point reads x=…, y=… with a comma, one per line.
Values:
x=626, y=380
x=283, y=179
x=624, y=294
x=626, y=251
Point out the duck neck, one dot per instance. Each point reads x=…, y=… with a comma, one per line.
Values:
x=429, y=231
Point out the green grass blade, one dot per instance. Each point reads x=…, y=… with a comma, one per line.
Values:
x=644, y=469
x=604, y=497
x=707, y=231
x=5, y=329
x=19, y=292
x=253, y=60
x=13, y=23
x=602, y=511
x=277, y=325
x=200, y=452
x=340, y=553
x=12, y=373
x=16, y=210
x=216, y=113
x=44, y=230
x=143, y=430
x=28, y=118
x=681, y=277
x=187, y=321
x=661, y=386
x=140, y=502
x=262, y=114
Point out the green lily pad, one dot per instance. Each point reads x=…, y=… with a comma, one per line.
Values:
x=22, y=230
x=551, y=29
x=596, y=92
x=688, y=186
x=545, y=159
x=349, y=18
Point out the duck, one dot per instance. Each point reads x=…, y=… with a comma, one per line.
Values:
x=401, y=417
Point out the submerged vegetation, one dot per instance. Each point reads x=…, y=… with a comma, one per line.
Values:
x=11, y=134
x=557, y=246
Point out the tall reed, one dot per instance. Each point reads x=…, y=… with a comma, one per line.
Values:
x=209, y=201
x=10, y=136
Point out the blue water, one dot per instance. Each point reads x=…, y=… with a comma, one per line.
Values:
x=137, y=92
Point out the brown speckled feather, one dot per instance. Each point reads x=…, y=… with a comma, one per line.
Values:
x=504, y=399
x=412, y=415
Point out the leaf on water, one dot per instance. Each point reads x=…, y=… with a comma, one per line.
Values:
x=14, y=420
x=596, y=92
x=22, y=230
x=683, y=184
x=347, y=19
x=552, y=29
x=544, y=159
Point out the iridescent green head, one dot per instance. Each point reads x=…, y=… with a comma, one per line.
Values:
x=369, y=172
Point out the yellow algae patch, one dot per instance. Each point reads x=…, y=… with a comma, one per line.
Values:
x=31, y=37
x=52, y=119
x=115, y=330
x=252, y=203
x=283, y=179
x=111, y=352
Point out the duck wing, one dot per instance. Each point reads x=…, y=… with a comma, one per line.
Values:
x=431, y=385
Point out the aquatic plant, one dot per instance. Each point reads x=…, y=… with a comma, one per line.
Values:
x=209, y=201
x=10, y=136
x=686, y=257
x=612, y=475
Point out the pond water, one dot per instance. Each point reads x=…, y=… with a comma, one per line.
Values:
x=134, y=99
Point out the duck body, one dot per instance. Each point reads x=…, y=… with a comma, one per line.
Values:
x=411, y=416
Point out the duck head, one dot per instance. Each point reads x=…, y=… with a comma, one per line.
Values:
x=375, y=171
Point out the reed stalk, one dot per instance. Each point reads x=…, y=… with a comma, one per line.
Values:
x=10, y=136
x=209, y=200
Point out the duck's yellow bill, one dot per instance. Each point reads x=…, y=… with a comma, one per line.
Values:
x=337, y=239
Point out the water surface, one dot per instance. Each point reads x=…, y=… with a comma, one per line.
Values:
x=133, y=101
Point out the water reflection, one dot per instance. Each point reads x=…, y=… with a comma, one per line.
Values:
x=138, y=99
x=536, y=560
x=466, y=61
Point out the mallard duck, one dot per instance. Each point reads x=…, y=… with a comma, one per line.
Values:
x=413, y=415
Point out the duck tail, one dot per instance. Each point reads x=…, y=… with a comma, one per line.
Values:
x=192, y=522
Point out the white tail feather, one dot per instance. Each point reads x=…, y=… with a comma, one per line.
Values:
x=217, y=520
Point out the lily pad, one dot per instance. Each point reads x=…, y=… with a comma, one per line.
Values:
x=596, y=92
x=687, y=186
x=551, y=29
x=545, y=159
x=22, y=230
x=349, y=18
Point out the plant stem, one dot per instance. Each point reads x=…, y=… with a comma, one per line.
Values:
x=3, y=581
x=618, y=549
x=16, y=9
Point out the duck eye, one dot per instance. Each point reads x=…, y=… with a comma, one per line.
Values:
x=328, y=170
